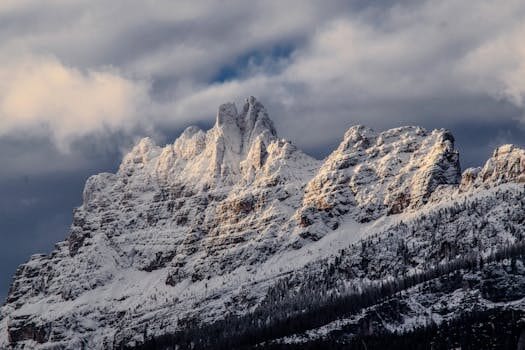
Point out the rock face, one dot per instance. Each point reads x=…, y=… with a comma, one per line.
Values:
x=507, y=164
x=371, y=175
x=207, y=225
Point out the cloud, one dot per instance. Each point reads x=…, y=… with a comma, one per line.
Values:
x=499, y=66
x=160, y=53
x=69, y=103
x=413, y=63
x=376, y=63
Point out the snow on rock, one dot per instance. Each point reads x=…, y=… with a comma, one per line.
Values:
x=507, y=164
x=206, y=225
x=374, y=174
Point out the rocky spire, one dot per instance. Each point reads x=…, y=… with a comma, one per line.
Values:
x=254, y=121
x=230, y=141
x=242, y=129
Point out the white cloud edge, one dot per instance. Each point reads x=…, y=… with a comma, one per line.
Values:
x=347, y=60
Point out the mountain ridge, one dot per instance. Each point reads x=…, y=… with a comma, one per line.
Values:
x=209, y=224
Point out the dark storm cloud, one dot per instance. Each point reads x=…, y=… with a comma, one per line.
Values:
x=186, y=57
x=39, y=187
x=35, y=212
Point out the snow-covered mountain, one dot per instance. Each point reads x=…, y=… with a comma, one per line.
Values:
x=218, y=224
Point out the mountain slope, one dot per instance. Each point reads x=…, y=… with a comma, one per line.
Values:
x=219, y=223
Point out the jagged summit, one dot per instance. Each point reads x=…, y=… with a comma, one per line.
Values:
x=233, y=149
x=252, y=122
x=209, y=224
x=507, y=164
x=374, y=174
x=239, y=131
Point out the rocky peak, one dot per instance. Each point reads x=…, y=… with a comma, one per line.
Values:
x=507, y=164
x=237, y=142
x=190, y=143
x=373, y=174
x=243, y=129
x=357, y=137
x=144, y=151
x=254, y=121
x=236, y=137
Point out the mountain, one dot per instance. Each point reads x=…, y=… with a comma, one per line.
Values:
x=234, y=237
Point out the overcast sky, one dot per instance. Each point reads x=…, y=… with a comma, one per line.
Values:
x=81, y=80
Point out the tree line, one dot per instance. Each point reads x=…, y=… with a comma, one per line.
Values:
x=286, y=314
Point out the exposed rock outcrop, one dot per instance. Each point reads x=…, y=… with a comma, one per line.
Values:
x=507, y=164
x=374, y=174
